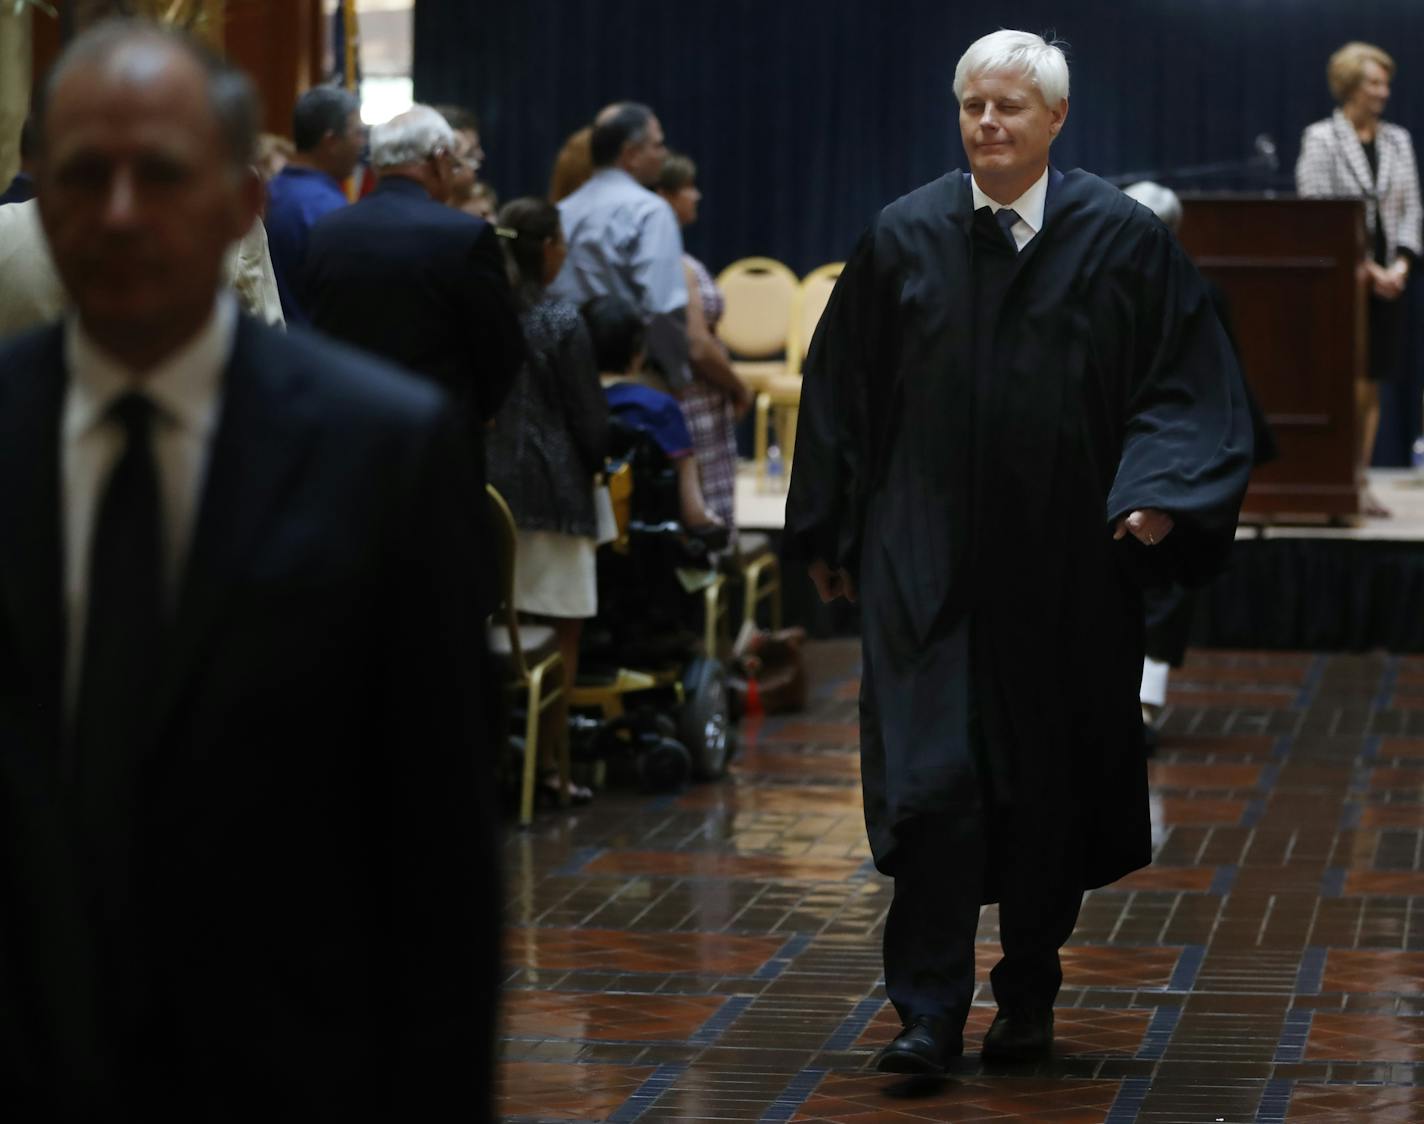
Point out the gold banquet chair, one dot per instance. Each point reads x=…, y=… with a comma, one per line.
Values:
x=529, y=661
x=760, y=308
x=780, y=400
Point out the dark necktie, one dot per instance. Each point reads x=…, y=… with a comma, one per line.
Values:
x=123, y=641
x=1006, y=217
x=123, y=631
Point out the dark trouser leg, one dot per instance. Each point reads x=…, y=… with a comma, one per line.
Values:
x=929, y=933
x=1032, y=932
x=1039, y=901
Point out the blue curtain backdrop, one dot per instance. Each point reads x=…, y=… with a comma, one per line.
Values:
x=806, y=116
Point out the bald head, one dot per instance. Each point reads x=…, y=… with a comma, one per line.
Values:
x=138, y=53
x=143, y=183
x=629, y=136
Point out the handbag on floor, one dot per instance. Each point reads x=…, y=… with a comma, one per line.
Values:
x=770, y=667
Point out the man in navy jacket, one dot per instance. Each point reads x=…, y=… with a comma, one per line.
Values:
x=404, y=276
x=248, y=869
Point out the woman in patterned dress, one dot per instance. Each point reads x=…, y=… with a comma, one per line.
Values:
x=717, y=398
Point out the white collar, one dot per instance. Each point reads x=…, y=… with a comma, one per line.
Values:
x=184, y=387
x=1029, y=205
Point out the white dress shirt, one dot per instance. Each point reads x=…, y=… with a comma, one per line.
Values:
x=1029, y=207
x=186, y=391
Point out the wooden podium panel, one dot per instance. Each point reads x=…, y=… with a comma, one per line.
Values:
x=1290, y=271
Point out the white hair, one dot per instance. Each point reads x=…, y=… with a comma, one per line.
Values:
x=1021, y=52
x=1161, y=201
x=408, y=137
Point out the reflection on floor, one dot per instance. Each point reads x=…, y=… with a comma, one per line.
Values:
x=714, y=955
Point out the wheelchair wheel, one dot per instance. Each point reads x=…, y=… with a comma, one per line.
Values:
x=705, y=723
x=663, y=765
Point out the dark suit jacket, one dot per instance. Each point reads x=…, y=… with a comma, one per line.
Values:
x=420, y=284
x=21, y=188
x=314, y=855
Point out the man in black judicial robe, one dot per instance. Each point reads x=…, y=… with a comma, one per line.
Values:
x=1019, y=409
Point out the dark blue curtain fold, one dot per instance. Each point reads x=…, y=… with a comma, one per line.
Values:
x=806, y=116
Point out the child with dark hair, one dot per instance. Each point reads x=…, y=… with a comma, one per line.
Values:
x=618, y=335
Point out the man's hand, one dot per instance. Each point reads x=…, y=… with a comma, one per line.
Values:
x=1148, y=526
x=831, y=584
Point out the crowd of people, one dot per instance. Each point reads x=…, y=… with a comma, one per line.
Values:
x=249, y=526
x=252, y=858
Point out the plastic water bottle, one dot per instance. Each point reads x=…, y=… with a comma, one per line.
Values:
x=1417, y=456
x=775, y=469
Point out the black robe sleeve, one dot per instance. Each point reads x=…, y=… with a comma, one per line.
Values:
x=825, y=501
x=1187, y=444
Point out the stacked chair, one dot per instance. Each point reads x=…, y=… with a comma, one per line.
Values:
x=768, y=325
x=769, y=321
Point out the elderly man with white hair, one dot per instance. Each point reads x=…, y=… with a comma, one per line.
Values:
x=1018, y=409
x=403, y=276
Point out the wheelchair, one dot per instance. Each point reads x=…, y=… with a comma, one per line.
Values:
x=651, y=703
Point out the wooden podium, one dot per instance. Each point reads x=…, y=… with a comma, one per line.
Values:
x=1290, y=272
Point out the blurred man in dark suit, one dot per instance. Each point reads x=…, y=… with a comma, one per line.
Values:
x=406, y=277
x=248, y=872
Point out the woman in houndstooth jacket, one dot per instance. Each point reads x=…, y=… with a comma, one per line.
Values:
x=1355, y=154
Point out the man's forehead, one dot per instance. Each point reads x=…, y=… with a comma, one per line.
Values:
x=1001, y=82
x=169, y=101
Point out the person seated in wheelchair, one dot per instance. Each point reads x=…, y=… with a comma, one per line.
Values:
x=636, y=400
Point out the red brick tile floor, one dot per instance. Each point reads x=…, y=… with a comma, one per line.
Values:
x=714, y=954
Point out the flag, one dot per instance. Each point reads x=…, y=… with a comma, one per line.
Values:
x=346, y=72
x=346, y=46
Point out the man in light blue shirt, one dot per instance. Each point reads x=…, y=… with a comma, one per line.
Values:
x=624, y=239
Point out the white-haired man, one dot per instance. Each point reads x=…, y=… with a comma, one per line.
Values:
x=1018, y=407
x=404, y=276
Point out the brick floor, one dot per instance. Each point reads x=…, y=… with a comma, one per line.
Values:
x=715, y=954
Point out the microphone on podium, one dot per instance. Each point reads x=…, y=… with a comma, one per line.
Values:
x=1263, y=153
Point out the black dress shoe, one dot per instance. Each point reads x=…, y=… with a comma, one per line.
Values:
x=1021, y=1034
x=923, y=1048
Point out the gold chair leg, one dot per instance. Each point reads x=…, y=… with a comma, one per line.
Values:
x=751, y=578
x=762, y=581
x=763, y=424
x=531, y=753
x=714, y=612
